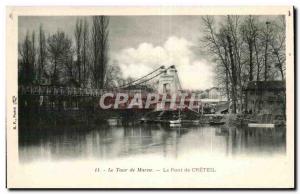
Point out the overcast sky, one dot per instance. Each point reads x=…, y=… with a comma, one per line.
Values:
x=141, y=43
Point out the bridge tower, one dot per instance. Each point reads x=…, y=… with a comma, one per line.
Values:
x=169, y=81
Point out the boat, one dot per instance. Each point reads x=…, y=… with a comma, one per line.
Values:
x=192, y=122
x=196, y=122
x=143, y=120
x=262, y=120
x=261, y=125
x=217, y=120
x=178, y=121
x=175, y=125
x=113, y=121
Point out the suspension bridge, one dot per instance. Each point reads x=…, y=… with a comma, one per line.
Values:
x=167, y=78
x=63, y=99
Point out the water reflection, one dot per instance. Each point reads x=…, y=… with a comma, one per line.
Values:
x=108, y=142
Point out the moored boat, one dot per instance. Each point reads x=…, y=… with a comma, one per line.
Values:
x=261, y=125
x=178, y=121
x=217, y=120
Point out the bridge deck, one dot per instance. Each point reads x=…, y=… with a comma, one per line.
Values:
x=69, y=91
x=58, y=91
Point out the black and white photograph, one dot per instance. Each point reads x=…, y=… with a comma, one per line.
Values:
x=153, y=95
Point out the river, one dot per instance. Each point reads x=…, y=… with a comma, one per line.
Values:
x=104, y=142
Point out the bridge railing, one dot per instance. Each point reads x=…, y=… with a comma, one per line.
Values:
x=71, y=91
x=58, y=91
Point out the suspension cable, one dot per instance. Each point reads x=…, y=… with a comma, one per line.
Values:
x=150, y=78
x=161, y=67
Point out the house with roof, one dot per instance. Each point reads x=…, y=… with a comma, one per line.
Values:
x=265, y=97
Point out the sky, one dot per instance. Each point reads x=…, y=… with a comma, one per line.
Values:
x=140, y=44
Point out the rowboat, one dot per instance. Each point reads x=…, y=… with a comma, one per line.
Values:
x=261, y=125
x=217, y=120
x=178, y=121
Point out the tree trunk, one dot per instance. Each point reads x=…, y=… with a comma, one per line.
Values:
x=257, y=63
x=266, y=60
x=250, y=61
x=234, y=78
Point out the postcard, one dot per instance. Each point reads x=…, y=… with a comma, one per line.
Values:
x=150, y=97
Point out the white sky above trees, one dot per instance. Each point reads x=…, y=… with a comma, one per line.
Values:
x=139, y=44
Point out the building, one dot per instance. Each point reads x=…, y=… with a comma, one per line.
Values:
x=214, y=100
x=213, y=94
x=265, y=97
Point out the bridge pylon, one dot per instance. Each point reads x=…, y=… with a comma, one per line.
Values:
x=169, y=81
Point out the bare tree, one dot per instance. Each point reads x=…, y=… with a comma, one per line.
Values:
x=78, y=33
x=221, y=45
x=113, y=76
x=233, y=72
x=258, y=57
x=242, y=46
x=27, y=61
x=266, y=39
x=249, y=32
x=42, y=54
x=99, y=49
x=33, y=53
x=59, y=49
x=85, y=44
x=277, y=42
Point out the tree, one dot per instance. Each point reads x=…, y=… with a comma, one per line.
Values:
x=85, y=46
x=27, y=62
x=60, y=51
x=78, y=33
x=221, y=45
x=277, y=42
x=233, y=72
x=113, y=76
x=266, y=38
x=100, y=34
x=249, y=32
x=42, y=55
x=242, y=46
